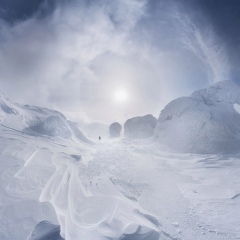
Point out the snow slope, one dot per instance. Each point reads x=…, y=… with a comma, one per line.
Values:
x=38, y=121
x=111, y=190
x=205, y=122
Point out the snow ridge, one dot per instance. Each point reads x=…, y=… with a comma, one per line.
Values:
x=37, y=121
x=204, y=122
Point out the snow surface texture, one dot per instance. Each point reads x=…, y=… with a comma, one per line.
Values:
x=46, y=231
x=111, y=190
x=204, y=122
x=140, y=127
x=115, y=129
x=51, y=126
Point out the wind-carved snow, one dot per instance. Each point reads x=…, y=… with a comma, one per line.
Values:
x=88, y=200
x=115, y=190
x=57, y=169
x=37, y=121
x=91, y=209
x=51, y=126
x=205, y=122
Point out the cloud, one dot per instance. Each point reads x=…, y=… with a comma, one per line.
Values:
x=75, y=57
x=203, y=42
x=53, y=54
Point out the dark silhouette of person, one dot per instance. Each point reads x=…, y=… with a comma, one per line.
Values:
x=99, y=138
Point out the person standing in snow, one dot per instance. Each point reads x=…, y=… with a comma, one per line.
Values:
x=99, y=138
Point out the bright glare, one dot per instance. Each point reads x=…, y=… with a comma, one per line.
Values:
x=120, y=95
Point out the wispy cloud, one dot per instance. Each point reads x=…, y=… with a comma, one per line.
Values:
x=203, y=42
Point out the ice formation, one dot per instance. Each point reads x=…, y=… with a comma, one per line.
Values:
x=115, y=129
x=204, y=122
x=140, y=127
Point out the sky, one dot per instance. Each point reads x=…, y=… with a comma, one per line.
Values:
x=109, y=60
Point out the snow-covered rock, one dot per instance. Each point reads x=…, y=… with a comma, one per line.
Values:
x=115, y=129
x=204, y=122
x=140, y=127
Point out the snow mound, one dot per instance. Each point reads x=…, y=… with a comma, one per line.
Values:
x=204, y=122
x=140, y=127
x=51, y=126
x=37, y=121
x=115, y=129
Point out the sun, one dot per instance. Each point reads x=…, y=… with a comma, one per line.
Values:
x=120, y=95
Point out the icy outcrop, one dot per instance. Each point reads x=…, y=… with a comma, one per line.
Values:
x=140, y=127
x=204, y=122
x=115, y=129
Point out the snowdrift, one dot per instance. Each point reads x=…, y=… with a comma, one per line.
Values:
x=140, y=127
x=204, y=122
x=95, y=209
x=52, y=126
x=38, y=121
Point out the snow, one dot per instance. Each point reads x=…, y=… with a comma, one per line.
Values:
x=115, y=129
x=128, y=189
x=205, y=122
x=51, y=126
x=37, y=121
x=46, y=230
x=95, y=129
x=140, y=127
